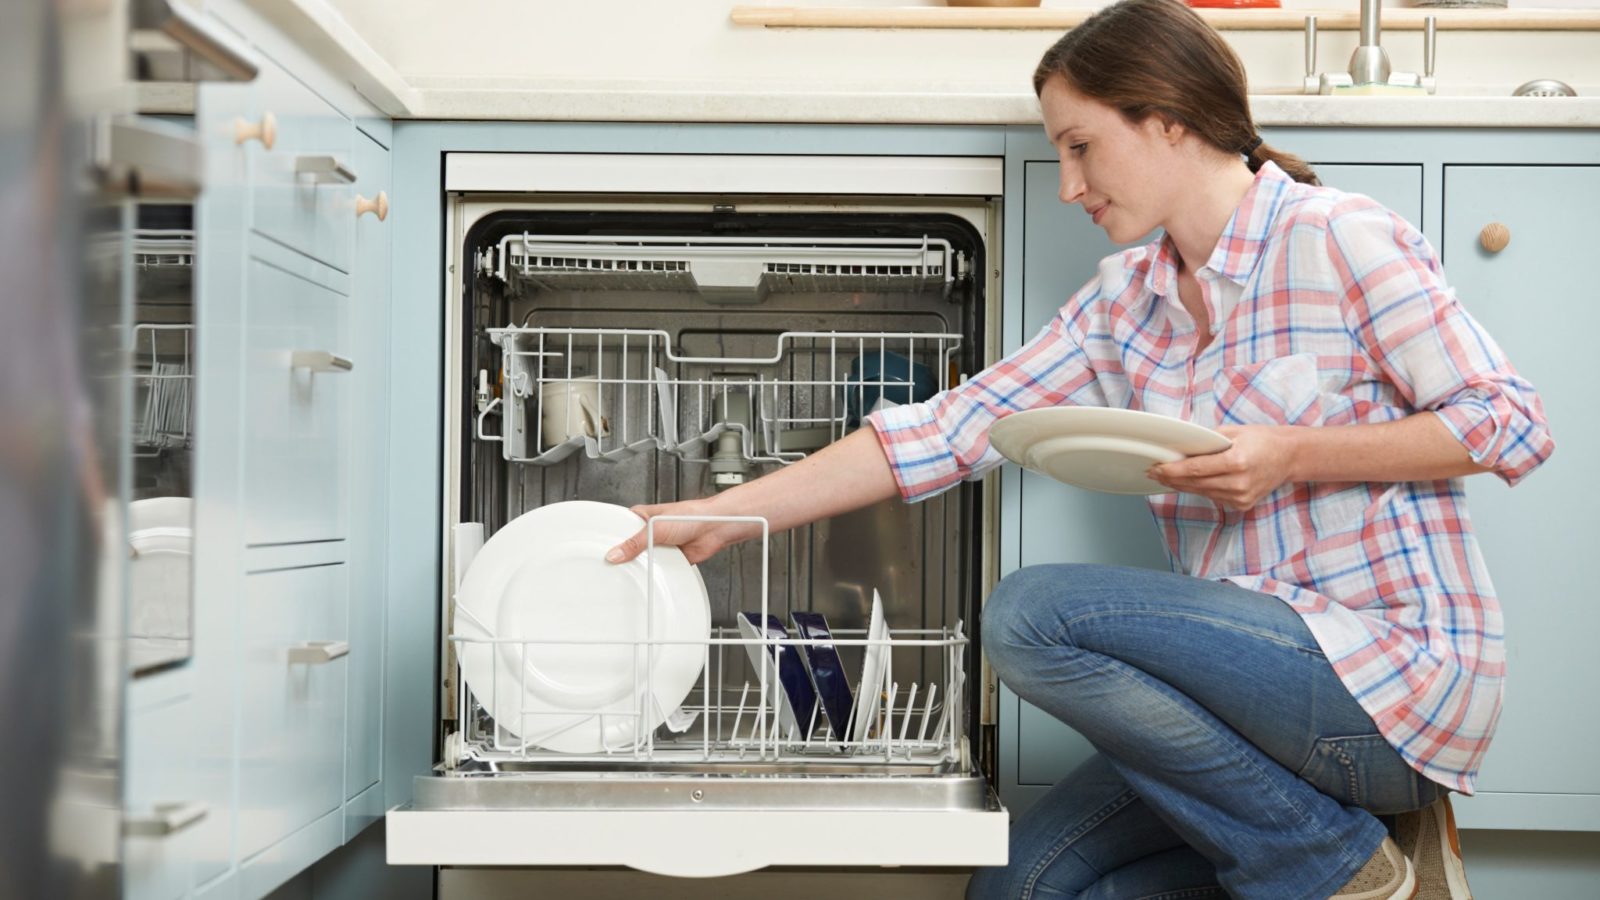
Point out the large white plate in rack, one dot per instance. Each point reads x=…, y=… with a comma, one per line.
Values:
x=543, y=579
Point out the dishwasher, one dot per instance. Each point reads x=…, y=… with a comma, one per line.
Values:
x=728, y=316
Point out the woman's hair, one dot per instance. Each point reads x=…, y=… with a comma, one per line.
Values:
x=1158, y=58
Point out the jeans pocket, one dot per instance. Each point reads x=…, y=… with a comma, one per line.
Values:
x=1363, y=770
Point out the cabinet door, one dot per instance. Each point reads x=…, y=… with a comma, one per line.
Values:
x=163, y=802
x=291, y=735
x=296, y=409
x=302, y=185
x=221, y=226
x=1058, y=523
x=1536, y=298
x=369, y=340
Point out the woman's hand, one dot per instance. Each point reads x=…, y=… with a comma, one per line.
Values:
x=1260, y=461
x=698, y=540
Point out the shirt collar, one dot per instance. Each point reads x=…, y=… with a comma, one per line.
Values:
x=1242, y=241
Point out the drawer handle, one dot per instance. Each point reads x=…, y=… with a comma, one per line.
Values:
x=231, y=58
x=324, y=169
x=1494, y=237
x=379, y=206
x=265, y=131
x=320, y=361
x=165, y=819
x=315, y=653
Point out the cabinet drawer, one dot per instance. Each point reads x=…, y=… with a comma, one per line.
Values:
x=291, y=734
x=302, y=189
x=162, y=800
x=296, y=395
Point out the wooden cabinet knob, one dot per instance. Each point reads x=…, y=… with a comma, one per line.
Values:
x=265, y=131
x=378, y=206
x=1494, y=237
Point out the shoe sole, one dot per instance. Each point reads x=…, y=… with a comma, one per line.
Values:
x=1455, y=873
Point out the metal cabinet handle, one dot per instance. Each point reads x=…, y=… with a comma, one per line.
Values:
x=1494, y=237
x=378, y=206
x=265, y=130
x=320, y=361
x=324, y=169
x=224, y=53
x=135, y=156
x=165, y=819
x=315, y=653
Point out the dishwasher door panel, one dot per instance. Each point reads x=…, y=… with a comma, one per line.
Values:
x=696, y=842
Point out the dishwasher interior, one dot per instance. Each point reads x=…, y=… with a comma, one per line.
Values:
x=663, y=351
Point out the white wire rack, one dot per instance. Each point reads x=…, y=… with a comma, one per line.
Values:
x=731, y=269
x=164, y=386
x=163, y=248
x=616, y=392
x=733, y=715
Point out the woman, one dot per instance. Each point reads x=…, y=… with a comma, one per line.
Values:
x=1332, y=649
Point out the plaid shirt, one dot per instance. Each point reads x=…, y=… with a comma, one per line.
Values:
x=1326, y=309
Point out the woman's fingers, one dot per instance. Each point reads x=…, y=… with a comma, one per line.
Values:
x=688, y=535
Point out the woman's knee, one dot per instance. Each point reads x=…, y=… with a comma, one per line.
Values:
x=1018, y=616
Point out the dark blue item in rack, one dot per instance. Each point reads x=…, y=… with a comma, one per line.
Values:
x=827, y=671
x=792, y=676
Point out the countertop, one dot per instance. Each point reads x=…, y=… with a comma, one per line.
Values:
x=315, y=25
x=622, y=101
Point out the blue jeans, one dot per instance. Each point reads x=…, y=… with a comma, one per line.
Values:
x=1232, y=761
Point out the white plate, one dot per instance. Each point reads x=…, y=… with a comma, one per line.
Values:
x=874, y=666
x=544, y=577
x=160, y=512
x=1100, y=448
x=160, y=547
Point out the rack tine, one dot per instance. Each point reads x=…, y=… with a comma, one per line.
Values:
x=927, y=712
x=743, y=696
x=886, y=729
x=905, y=721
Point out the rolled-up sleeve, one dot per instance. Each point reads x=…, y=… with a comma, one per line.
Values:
x=944, y=440
x=1409, y=321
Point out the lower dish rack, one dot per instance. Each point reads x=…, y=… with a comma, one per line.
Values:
x=728, y=782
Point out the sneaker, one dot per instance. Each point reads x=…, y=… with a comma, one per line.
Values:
x=1428, y=839
x=1386, y=876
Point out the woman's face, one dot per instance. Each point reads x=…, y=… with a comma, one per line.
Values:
x=1120, y=173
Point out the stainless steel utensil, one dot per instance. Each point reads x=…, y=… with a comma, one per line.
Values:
x=1545, y=87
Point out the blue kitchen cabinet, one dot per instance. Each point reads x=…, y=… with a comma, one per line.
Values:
x=1055, y=523
x=369, y=506
x=1536, y=298
x=293, y=397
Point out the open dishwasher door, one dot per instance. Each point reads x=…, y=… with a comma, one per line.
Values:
x=635, y=348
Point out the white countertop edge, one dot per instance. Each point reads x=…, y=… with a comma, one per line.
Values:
x=625, y=103
x=323, y=32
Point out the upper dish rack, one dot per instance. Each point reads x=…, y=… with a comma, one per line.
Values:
x=617, y=392
x=164, y=384
x=161, y=248
x=722, y=269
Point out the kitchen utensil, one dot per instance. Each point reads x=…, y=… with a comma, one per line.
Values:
x=884, y=377
x=875, y=665
x=584, y=677
x=1100, y=448
x=1544, y=87
x=798, y=701
x=827, y=671
x=570, y=408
